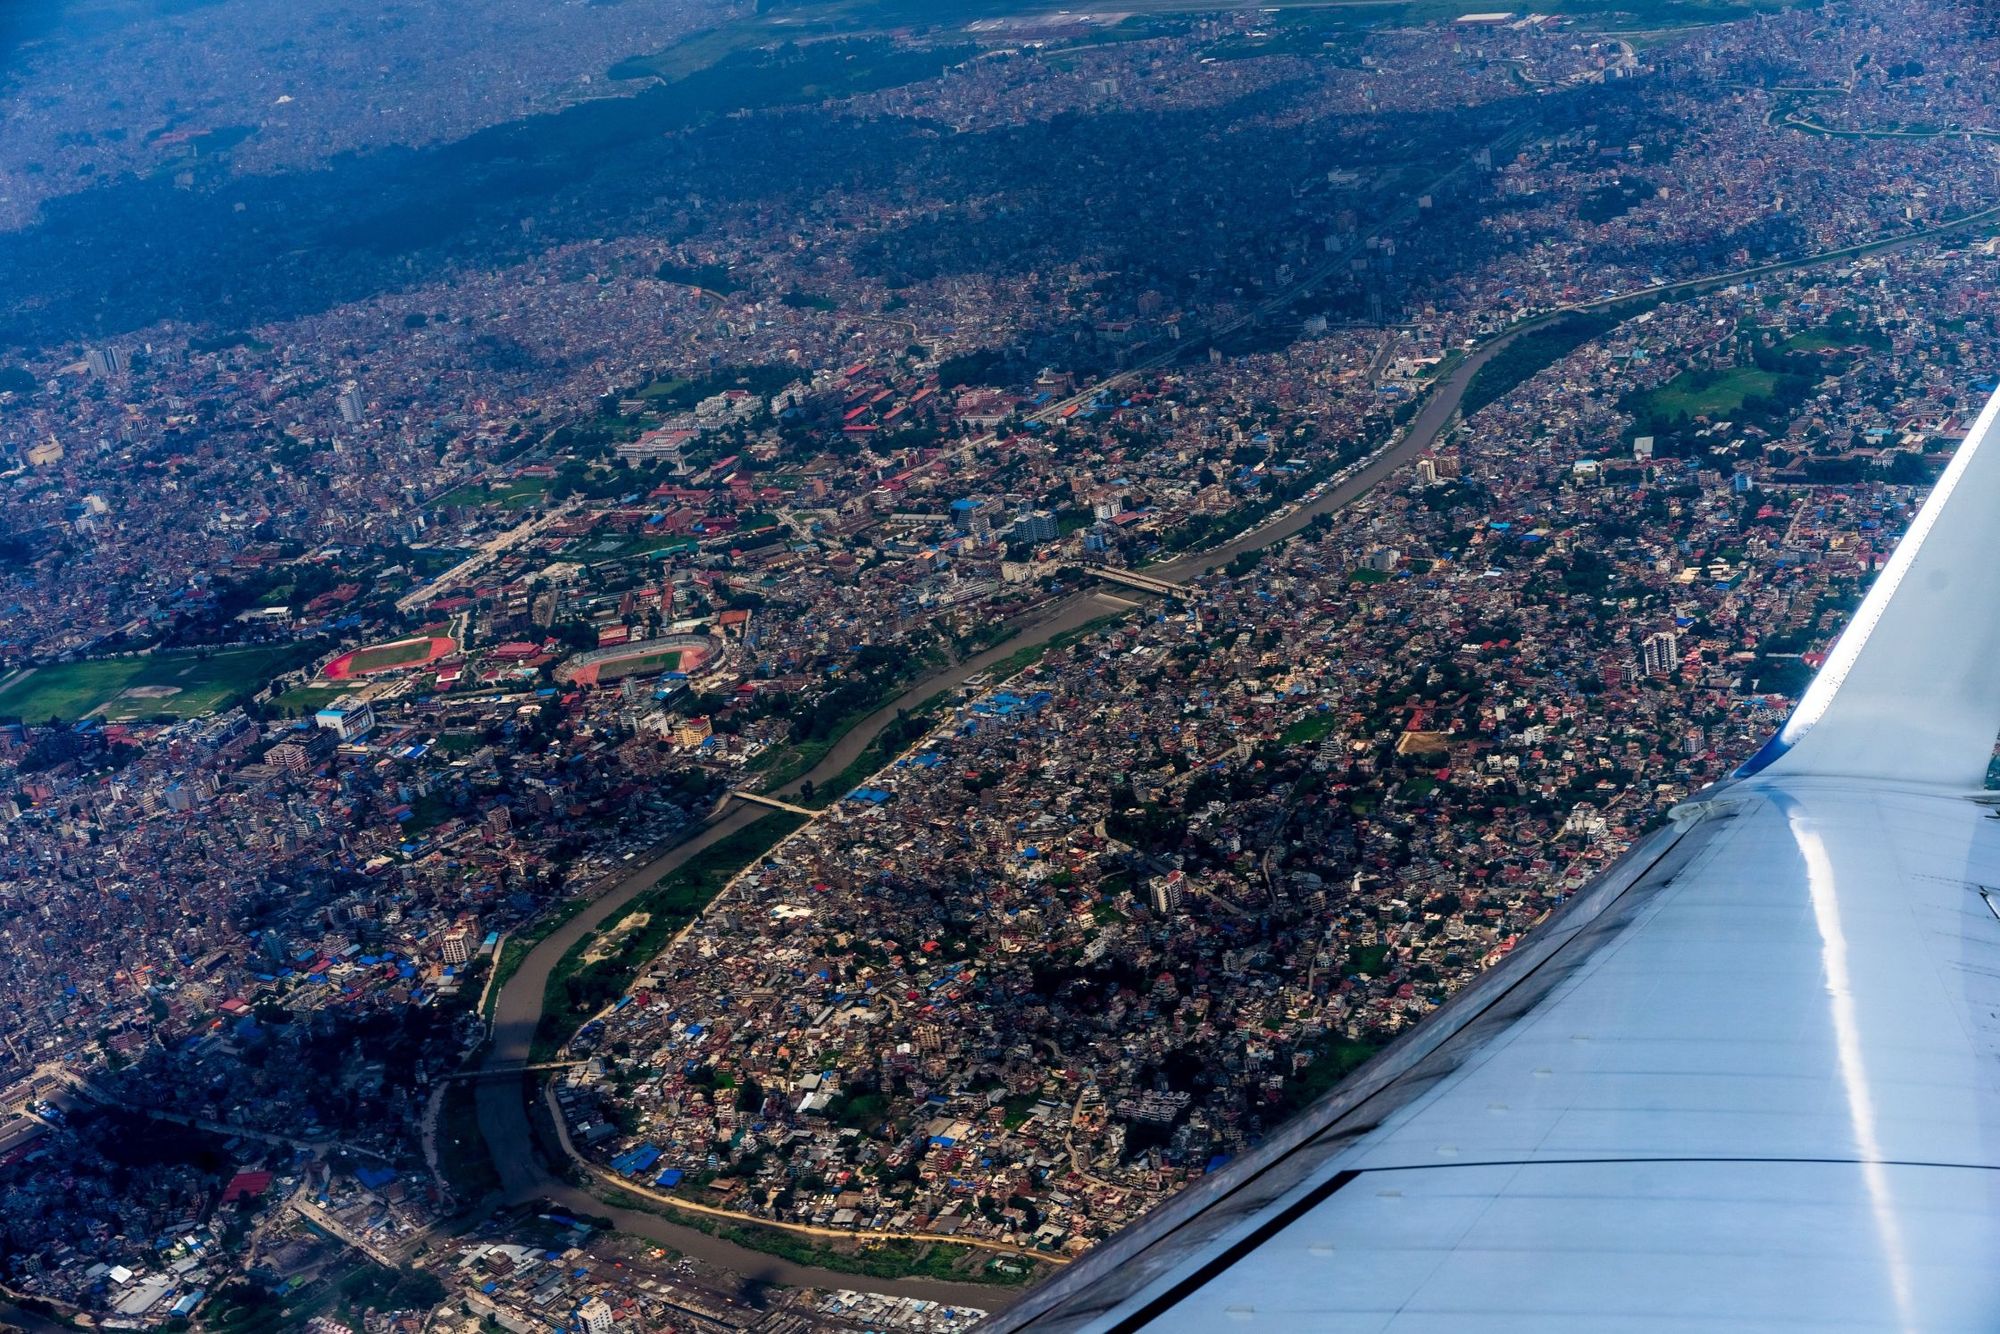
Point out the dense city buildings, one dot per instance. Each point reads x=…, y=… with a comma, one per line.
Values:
x=1033, y=510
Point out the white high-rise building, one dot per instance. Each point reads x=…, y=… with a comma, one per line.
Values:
x=1659, y=653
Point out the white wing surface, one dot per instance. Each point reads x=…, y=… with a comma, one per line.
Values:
x=1749, y=1079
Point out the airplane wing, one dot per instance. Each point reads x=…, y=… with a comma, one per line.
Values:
x=1747, y=1079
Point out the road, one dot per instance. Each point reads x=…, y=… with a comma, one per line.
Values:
x=504, y=1118
x=427, y=592
x=305, y=1207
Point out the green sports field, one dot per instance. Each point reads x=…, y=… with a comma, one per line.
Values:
x=390, y=655
x=304, y=701
x=666, y=660
x=177, y=685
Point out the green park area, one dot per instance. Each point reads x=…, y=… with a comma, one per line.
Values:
x=662, y=388
x=1832, y=337
x=1309, y=730
x=170, y=685
x=801, y=300
x=627, y=546
x=519, y=494
x=1329, y=1063
x=711, y=278
x=1712, y=393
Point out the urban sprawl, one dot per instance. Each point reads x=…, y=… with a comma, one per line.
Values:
x=1088, y=581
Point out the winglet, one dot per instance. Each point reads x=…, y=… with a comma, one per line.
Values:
x=1911, y=692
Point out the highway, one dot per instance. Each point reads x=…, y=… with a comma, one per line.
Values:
x=504, y=1117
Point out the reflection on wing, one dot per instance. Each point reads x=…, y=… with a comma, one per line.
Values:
x=1748, y=1079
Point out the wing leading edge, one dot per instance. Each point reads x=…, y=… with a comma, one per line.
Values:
x=1745, y=1080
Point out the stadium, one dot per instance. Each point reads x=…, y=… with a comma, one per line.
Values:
x=686, y=654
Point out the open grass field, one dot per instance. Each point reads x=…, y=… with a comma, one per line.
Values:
x=1829, y=339
x=176, y=685
x=1710, y=394
x=663, y=388
x=305, y=701
x=613, y=546
x=1308, y=730
x=519, y=494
